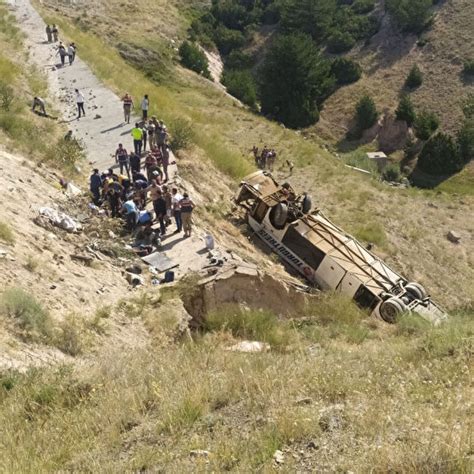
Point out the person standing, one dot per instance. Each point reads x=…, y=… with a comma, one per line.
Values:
x=175, y=200
x=39, y=102
x=71, y=52
x=95, y=185
x=135, y=163
x=55, y=32
x=161, y=137
x=144, y=135
x=127, y=106
x=186, y=206
x=145, y=107
x=121, y=157
x=137, y=134
x=159, y=206
x=49, y=34
x=165, y=161
x=80, y=103
x=62, y=53
x=74, y=50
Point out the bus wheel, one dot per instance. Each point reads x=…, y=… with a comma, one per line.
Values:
x=391, y=310
x=416, y=290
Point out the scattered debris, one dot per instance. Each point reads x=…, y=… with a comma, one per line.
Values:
x=134, y=280
x=160, y=261
x=82, y=258
x=279, y=457
x=59, y=219
x=250, y=346
x=137, y=270
x=199, y=453
x=454, y=237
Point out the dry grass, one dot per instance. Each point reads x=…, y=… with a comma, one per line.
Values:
x=6, y=234
x=394, y=401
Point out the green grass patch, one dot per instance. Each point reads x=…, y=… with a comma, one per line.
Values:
x=371, y=232
x=6, y=233
x=28, y=314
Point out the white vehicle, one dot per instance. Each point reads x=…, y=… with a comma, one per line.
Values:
x=325, y=255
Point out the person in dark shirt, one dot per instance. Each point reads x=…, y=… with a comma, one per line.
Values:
x=134, y=162
x=95, y=185
x=159, y=206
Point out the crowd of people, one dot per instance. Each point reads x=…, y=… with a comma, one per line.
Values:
x=266, y=158
x=142, y=177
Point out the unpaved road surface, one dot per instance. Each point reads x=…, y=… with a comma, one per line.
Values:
x=103, y=128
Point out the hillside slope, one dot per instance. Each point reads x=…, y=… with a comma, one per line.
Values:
x=388, y=58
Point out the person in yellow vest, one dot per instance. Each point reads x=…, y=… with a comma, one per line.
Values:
x=137, y=134
x=127, y=106
x=186, y=206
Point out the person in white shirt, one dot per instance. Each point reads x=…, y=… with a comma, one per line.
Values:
x=145, y=107
x=71, y=52
x=80, y=103
x=176, y=198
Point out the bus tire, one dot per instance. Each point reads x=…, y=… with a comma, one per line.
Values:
x=391, y=309
x=416, y=290
x=279, y=216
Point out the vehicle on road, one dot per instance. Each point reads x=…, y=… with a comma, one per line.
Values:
x=325, y=255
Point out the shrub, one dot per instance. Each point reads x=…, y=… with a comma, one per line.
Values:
x=250, y=324
x=410, y=15
x=228, y=40
x=468, y=107
x=469, y=67
x=340, y=42
x=440, y=156
x=241, y=85
x=182, y=133
x=414, y=78
x=27, y=313
x=363, y=6
x=346, y=71
x=239, y=60
x=466, y=141
x=405, y=110
x=391, y=173
x=6, y=233
x=426, y=123
x=7, y=96
x=66, y=153
x=68, y=339
x=366, y=113
x=194, y=58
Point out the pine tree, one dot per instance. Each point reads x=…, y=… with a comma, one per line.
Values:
x=405, y=110
x=366, y=112
x=414, y=78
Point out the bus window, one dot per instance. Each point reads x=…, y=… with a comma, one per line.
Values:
x=303, y=248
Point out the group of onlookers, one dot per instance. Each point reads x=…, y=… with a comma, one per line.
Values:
x=264, y=159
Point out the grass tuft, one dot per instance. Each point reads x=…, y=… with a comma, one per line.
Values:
x=6, y=234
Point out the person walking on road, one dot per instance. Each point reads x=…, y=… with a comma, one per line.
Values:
x=49, y=34
x=80, y=103
x=127, y=106
x=55, y=32
x=39, y=102
x=145, y=107
x=62, y=53
x=186, y=206
x=71, y=52
x=121, y=157
x=137, y=134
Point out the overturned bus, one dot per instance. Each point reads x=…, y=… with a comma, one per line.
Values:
x=325, y=255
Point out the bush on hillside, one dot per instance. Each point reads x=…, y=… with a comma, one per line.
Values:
x=366, y=113
x=466, y=141
x=241, y=85
x=7, y=96
x=227, y=40
x=346, y=71
x=440, y=156
x=468, y=106
x=27, y=313
x=294, y=79
x=238, y=60
x=426, y=123
x=231, y=14
x=363, y=6
x=412, y=16
x=405, y=110
x=194, y=58
x=469, y=67
x=414, y=78
x=391, y=173
x=182, y=133
x=340, y=42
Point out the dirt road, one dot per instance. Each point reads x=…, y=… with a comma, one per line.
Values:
x=103, y=127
